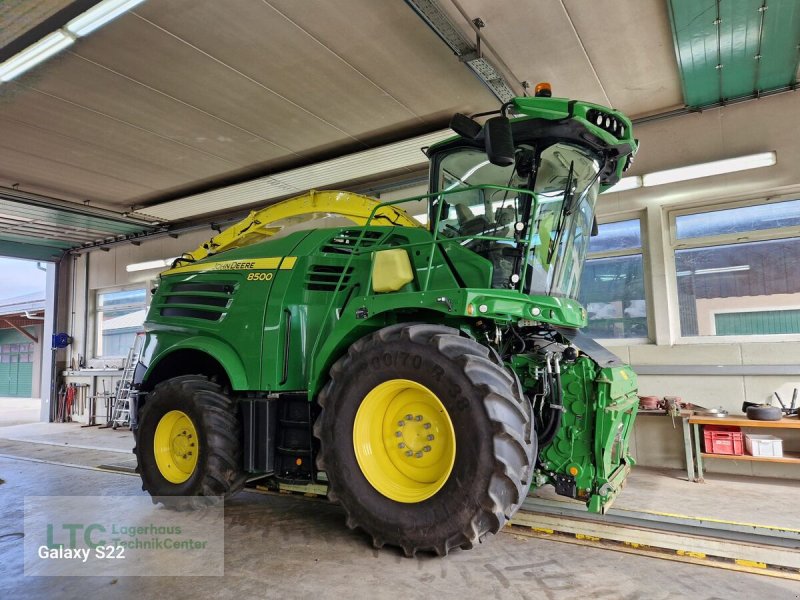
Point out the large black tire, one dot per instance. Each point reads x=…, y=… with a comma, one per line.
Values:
x=492, y=423
x=218, y=471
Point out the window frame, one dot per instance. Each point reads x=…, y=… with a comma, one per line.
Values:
x=642, y=250
x=98, y=311
x=723, y=239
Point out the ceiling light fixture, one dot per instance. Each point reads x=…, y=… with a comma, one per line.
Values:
x=400, y=156
x=714, y=270
x=53, y=43
x=150, y=264
x=35, y=54
x=625, y=184
x=717, y=167
x=100, y=14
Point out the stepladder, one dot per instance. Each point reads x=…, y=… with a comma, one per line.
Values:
x=121, y=411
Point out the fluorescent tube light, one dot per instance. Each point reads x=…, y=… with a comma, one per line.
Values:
x=402, y=155
x=625, y=184
x=99, y=15
x=34, y=54
x=150, y=264
x=717, y=167
x=714, y=270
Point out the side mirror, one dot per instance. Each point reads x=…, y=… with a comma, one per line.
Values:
x=464, y=126
x=499, y=141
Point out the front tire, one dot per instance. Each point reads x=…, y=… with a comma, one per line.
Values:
x=188, y=444
x=427, y=442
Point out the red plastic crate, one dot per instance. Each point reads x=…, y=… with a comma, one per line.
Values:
x=723, y=439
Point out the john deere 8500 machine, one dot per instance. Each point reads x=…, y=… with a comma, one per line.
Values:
x=424, y=376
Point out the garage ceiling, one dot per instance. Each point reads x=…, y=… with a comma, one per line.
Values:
x=180, y=97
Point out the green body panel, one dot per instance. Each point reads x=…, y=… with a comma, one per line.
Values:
x=757, y=49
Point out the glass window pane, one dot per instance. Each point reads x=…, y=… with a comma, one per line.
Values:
x=738, y=220
x=612, y=291
x=719, y=288
x=13, y=348
x=622, y=235
x=107, y=299
x=117, y=330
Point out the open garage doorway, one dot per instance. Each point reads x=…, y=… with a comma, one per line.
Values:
x=25, y=330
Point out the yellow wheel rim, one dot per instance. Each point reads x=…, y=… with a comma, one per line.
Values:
x=404, y=441
x=176, y=446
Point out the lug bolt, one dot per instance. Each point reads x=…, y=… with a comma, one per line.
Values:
x=401, y=445
x=419, y=417
x=398, y=434
x=418, y=455
x=426, y=449
x=190, y=453
x=409, y=417
x=401, y=423
x=409, y=453
x=427, y=426
x=430, y=437
x=192, y=444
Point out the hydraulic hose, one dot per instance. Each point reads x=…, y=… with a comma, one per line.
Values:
x=553, y=373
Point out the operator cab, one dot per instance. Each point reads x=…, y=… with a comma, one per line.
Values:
x=522, y=193
x=564, y=181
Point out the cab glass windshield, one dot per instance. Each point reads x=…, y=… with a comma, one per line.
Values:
x=563, y=179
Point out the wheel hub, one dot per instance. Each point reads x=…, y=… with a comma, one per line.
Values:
x=404, y=440
x=175, y=446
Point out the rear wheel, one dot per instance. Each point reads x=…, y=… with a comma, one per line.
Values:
x=426, y=440
x=188, y=445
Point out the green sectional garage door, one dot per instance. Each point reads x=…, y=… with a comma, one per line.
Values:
x=16, y=364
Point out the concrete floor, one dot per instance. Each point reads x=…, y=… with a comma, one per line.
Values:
x=760, y=500
x=14, y=411
x=289, y=547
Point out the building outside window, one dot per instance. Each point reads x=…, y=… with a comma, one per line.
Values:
x=612, y=285
x=738, y=270
x=120, y=315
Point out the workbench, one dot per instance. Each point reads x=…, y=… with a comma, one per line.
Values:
x=784, y=423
